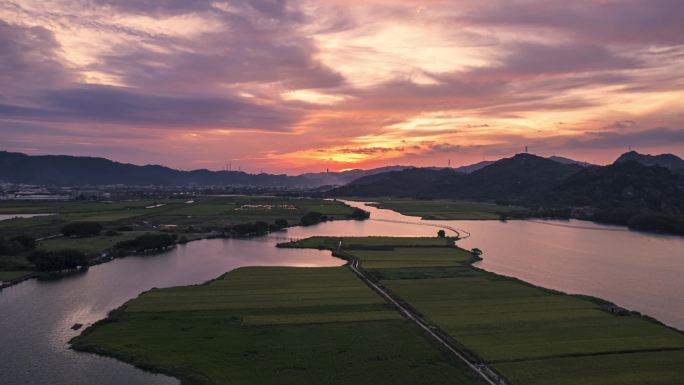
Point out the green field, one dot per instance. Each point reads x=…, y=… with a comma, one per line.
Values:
x=331, y=243
x=89, y=245
x=205, y=212
x=447, y=210
x=204, y=216
x=531, y=335
x=6, y=276
x=273, y=326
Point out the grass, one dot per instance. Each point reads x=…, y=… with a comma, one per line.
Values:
x=205, y=212
x=89, y=245
x=273, y=326
x=531, y=335
x=350, y=243
x=649, y=368
x=192, y=220
x=447, y=210
x=6, y=276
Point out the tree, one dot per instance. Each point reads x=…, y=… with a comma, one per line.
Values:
x=147, y=242
x=441, y=233
x=27, y=243
x=312, y=218
x=10, y=247
x=57, y=260
x=281, y=223
x=82, y=229
x=260, y=228
x=360, y=215
x=476, y=252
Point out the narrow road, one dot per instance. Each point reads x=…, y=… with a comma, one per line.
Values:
x=483, y=371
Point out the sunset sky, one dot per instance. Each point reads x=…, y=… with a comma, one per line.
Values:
x=297, y=86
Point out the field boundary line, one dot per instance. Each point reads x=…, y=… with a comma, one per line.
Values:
x=480, y=368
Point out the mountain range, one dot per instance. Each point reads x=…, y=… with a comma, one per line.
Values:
x=511, y=179
x=641, y=191
x=62, y=170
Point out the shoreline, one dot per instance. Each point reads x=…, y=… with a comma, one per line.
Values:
x=108, y=258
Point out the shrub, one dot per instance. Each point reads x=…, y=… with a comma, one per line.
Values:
x=256, y=228
x=17, y=245
x=312, y=218
x=147, y=242
x=82, y=229
x=27, y=243
x=359, y=214
x=57, y=260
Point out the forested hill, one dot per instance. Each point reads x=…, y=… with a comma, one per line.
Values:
x=625, y=192
x=669, y=161
x=510, y=179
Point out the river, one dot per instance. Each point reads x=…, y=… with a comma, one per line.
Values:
x=636, y=270
x=6, y=217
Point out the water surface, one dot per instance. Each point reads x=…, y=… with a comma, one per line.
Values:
x=4, y=217
x=636, y=270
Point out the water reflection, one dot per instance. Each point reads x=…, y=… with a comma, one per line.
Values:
x=636, y=270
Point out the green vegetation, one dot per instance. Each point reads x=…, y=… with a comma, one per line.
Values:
x=90, y=245
x=95, y=228
x=450, y=210
x=147, y=242
x=82, y=229
x=272, y=326
x=11, y=275
x=529, y=334
x=351, y=243
x=57, y=260
x=204, y=214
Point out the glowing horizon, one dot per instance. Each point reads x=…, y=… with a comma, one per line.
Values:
x=304, y=86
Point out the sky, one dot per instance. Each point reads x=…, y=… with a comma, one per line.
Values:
x=300, y=86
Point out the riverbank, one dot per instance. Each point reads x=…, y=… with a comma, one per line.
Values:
x=442, y=209
x=205, y=218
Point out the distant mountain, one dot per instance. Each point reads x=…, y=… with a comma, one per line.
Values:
x=564, y=160
x=414, y=182
x=473, y=167
x=480, y=165
x=625, y=184
x=344, y=177
x=517, y=178
x=510, y=179
x=65, y=170
x=669, y=161
x=627, y=192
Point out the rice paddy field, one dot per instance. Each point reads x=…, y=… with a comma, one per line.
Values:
x=192, y=219
x=529, y=334
x=447, y=210
x=273, y=325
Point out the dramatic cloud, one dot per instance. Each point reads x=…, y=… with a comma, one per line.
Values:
x=28, y=57
x=305, y=85
x=119, y=105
